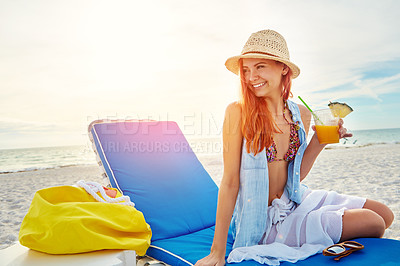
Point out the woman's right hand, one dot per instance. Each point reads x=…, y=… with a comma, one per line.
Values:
x=212, y=260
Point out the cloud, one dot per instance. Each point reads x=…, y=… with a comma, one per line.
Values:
x=372, y=88
x=380, y=86
x=63, y=62
x=346, y=50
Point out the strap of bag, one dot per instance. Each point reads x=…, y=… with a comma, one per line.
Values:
x=93, y=187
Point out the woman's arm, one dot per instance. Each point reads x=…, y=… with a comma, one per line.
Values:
x=232, y=143
x=312, y=151
x=314, y=148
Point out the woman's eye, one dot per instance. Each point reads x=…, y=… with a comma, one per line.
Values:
x=260, y=66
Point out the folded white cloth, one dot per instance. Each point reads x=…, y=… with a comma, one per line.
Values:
x=296, y=232
x=273, y=253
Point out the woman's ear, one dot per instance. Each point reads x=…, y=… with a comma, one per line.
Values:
x=285, y=69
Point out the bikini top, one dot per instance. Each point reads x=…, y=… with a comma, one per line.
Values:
x=293, y=145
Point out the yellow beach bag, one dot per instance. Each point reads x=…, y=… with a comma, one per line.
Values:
x=67, y=220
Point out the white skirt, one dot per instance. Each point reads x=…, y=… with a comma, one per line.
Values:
x=295, y=232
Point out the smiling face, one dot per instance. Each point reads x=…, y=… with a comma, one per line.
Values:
x=264, y=76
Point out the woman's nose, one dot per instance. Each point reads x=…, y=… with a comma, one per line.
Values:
x=253, y=75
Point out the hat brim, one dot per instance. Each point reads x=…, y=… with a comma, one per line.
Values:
x=232, y=63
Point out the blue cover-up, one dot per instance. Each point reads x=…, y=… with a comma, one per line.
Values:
x=249, y=218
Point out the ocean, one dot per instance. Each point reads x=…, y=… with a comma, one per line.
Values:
x=31, y=159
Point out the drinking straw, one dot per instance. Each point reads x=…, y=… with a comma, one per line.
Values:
x=315, y=116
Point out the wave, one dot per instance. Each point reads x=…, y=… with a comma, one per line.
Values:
x=38, y=168
x=358, y=145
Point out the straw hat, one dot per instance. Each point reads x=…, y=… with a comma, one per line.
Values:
x=265, y=44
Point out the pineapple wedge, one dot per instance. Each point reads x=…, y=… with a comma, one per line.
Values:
x=340, y=109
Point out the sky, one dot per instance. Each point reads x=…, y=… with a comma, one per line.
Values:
x=64, y=64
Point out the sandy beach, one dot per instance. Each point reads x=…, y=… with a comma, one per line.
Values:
x=371, y=171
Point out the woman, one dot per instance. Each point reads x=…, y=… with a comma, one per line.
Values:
x=266, y=155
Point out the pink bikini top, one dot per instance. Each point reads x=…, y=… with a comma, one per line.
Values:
x=293, y=145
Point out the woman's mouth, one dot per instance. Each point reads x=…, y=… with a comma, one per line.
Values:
x=258, y=85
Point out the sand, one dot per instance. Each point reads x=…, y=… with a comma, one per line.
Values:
x=371, y=171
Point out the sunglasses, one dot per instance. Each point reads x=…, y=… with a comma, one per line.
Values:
x=342, y=249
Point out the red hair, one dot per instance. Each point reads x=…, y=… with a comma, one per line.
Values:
x=258, y=126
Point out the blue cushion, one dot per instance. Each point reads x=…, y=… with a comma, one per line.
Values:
x=153, y=164
x=186, y=250
x=183, y=250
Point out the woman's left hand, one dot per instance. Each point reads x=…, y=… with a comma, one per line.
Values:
x=343, y=131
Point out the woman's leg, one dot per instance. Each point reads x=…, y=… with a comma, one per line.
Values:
x=361, y=223
x=370, y=221
x=380, y=209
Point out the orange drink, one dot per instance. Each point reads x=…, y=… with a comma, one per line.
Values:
x=327, y=134
x=326, y=126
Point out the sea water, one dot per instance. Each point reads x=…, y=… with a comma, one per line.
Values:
x=30, y=159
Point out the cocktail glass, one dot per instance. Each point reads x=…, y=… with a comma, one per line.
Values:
x=326, y=126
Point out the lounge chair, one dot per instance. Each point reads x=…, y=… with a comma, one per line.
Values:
x=152, y=162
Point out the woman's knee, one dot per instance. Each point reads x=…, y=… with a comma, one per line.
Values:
x=381, y=209
x=375, y=223
x=362, y=223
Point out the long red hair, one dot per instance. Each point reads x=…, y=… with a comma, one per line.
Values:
x=258, y=126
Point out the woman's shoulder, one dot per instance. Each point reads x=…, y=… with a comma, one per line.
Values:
x=233, y=119
x=305, y=117
x=234, y=109
x=304, y=112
